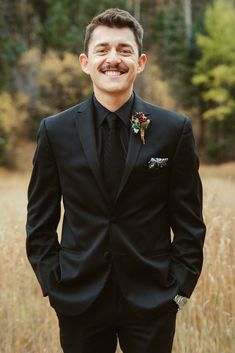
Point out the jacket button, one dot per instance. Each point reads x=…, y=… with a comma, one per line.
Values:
x=107, y=254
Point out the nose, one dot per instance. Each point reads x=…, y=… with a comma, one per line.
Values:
x=113, y=57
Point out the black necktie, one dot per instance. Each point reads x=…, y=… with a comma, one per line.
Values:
x=113, y=157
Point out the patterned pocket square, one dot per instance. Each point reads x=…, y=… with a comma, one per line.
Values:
x=157, y=163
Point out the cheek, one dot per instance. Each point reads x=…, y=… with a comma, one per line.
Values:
x=132, y=64
x=94, y=64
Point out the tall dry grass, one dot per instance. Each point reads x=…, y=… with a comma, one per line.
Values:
x=207, y=325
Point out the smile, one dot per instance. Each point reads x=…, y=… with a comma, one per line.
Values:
x=112, y=73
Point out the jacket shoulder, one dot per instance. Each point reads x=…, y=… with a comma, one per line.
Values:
x=166, y=122
x=165, y=115
x=64, y=117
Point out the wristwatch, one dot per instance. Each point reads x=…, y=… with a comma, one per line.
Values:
x=180, y=301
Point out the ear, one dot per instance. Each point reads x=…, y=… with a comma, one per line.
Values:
x=83, y=59
x=141, y=63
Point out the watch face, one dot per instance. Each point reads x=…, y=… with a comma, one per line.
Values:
x=181, y=301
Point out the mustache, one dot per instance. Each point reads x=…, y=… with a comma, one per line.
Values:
x=119, y=66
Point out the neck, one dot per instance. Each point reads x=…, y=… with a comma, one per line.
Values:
x=112, y=101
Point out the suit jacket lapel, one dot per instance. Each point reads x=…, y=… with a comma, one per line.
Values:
x=86, y=130
x=134, y=146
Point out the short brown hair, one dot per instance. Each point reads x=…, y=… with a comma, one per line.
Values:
x=115, y=17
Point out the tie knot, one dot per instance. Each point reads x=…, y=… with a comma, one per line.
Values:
x=112, y=121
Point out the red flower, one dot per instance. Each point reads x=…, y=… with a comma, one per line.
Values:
x=139, y=124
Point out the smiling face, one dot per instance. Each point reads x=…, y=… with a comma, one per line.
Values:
x=112, y=61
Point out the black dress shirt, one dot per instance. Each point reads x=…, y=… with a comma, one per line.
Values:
x=124, y=113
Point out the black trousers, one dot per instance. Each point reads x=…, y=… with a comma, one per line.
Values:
x=110, y=318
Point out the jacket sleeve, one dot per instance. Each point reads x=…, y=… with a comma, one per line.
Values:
x=43, y=210
x=185, y=211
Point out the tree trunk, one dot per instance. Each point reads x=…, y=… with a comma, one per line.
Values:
x=188, y=18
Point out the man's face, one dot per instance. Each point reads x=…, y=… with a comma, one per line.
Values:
x=112, y=61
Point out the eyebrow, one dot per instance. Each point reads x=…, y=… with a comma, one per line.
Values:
x=105, y=44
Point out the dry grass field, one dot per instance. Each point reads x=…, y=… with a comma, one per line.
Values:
x=207, y=325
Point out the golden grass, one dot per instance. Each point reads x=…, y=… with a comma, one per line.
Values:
x=207, y=325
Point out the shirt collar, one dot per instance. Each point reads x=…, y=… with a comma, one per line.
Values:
x=124, y=112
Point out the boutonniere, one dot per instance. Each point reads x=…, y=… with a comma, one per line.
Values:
x=139, y=123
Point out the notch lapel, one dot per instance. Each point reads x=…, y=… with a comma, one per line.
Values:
x=134, y=147
x=86, y=131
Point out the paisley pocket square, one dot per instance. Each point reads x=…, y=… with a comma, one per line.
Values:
x=157, y=163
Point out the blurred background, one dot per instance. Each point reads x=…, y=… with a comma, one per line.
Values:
x=191, y=69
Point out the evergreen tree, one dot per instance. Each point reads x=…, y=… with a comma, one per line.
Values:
x=63, y=22
x=12, y=43
x=215, y=73
x=176, y=52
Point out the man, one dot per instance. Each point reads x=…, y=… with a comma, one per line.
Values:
x=128, y=174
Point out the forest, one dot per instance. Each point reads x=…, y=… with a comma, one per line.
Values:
x=191, y=68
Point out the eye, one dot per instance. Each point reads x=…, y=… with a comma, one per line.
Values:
x=126, y=51
x=101, y=51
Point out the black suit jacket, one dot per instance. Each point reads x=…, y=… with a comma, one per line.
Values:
x=134, y=233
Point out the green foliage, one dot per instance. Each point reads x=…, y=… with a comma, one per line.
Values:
x=42, y=78
x=218, y=151
x=175, y=53
x=170, y=38
x=63, y=22
x=58, y=31
x=215, y=71
x=7, y=56
x=4, y=141
x=12, y=43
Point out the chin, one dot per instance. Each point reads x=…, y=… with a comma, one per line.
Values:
x=115, y=88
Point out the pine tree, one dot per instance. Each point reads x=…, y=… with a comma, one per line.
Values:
x=215, y=78
x=215, y=71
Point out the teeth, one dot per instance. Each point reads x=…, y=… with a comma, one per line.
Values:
x=112, y=73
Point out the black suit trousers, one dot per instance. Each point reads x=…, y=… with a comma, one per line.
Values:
x=110, y=318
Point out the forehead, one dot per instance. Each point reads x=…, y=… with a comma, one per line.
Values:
x=112, y=36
